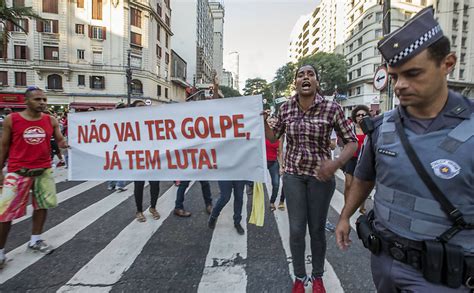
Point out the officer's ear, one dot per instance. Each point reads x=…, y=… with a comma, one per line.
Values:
x=449, y=62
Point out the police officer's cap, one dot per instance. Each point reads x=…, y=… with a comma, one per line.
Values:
x=413, y=37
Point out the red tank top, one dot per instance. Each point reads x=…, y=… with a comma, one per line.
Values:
x=272, y=150
x=360, y=138
x=31, y=143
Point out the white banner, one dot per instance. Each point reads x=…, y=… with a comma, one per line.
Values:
x=207, y=140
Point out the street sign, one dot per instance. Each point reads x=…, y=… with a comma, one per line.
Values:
x=381, y=78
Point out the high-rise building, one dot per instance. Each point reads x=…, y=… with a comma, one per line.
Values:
x=218, y=13
x=456, y=17
x=194, y=38
x=234, y=67
x=227, y=79
x=320, y=31
x=78, y=52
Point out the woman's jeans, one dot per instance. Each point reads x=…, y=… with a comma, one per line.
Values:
x=274, y=169
x=308, y=201
x=226, y=188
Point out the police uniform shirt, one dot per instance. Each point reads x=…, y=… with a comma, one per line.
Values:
x=457, y=109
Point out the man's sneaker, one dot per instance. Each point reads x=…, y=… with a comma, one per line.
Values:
x=212, y=223
x=330, y=227
x=318, y=286
x=40, y=246
x=298, y=287
x=122, y=189
x=239, y=229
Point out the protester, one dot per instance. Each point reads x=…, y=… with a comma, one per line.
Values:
x=420, y=157
x=357, y=114
x=139, y=187
x=273, y=152
x=26, y=145
x=206, y=195
x=307, y=120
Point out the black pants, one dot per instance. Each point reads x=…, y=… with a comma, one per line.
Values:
x=138, y=192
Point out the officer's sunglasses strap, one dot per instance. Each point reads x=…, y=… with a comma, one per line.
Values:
x=453, y=213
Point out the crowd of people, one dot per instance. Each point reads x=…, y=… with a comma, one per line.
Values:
x=420, y=233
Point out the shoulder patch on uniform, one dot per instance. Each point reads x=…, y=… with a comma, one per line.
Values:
x=445, y=169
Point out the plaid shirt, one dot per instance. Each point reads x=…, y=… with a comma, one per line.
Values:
x=309, y=133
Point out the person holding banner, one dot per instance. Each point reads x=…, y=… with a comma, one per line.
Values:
x=139, y=187
x=307, y=119
x=26, y=144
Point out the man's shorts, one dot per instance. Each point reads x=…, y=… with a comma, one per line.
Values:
x=16, y=190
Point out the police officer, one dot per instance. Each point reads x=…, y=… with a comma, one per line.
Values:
x=421, y=237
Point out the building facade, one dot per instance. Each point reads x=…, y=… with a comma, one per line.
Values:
x=78, y=52
x=218, y=13
x=179, y=86
x=227, y=79
x=194, y=38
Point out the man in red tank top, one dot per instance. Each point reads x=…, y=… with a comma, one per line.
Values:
x=26, y=145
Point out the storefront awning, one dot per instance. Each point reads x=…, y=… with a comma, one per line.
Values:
x=12, y=100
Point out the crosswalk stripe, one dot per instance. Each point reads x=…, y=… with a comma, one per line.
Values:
x=108, y=266
x=63, y=196
x=224, y=271
x=60, y=234
x=332, y=282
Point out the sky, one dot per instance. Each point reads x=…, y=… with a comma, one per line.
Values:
x=260, y=31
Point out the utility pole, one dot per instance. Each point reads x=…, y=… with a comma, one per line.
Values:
x=386, y=27
x=129, y=78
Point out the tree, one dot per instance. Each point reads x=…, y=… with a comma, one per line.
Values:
x=284, y=79
x=257, y=86
x=229, y=92
x=332, y=69
x=9, y=17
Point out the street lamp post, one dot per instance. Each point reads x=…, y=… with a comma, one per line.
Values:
x=129, y=78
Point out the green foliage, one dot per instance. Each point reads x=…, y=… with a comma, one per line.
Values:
x=257, y=86
x=332, y=69
x=229, y=92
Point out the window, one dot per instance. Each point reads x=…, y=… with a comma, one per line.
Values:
x=50, y=6
x=463, y=57
x=97, y=32
x=359, y=72
x=158, y=32
x=351, y=46
x=136, y=17
x=96, y=9
x=47, y=26
x=461, y=74
x=464, y=26
x=158, y=51
x=453, y=40
x=378, y=33
x=455, y=24
x=18, y=3
x=167, y=58
x=51, y=53
x=3, y=54
x=359, y=56
x=97, y=82
x=158, y=90
x=349, y=76
x=81, y=80
x=158, y=9
x=358, y=90
x=80, y=3
x=455, y=6
x=359, y=41
x=167, y=20
x=167, y=2
x=79, y=29
x=136, y=39
x=167, y=40
x=80, y=54
x=20, y=78
x=21, y=52
x=463, y=42
x=97, y=57
x=360, y=26
x=3, y=78
x=137, y=87
x=55, y=82
x=466, y=10
x=22, y=25
x=166, y=92
x=378, y=16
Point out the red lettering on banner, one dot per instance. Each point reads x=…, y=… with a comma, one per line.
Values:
x=201, y=127
x=225, y=123
x=193, y=153
x=140, y=160
x=204, y=160
x=83, y=134
x=149, y=124
x=212, y=129
x=152, y=161
x=130, y=159
x=170, y=125
x=170, y=160
x=185, y=128
x=181, y=159
x=237, y=125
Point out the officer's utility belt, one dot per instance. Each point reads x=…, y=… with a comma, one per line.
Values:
x=439, y=262
x=25, y=172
